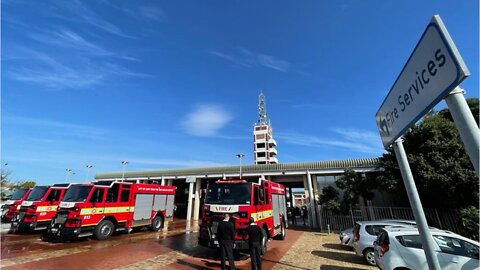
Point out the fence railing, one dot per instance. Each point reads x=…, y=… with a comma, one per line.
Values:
x=446, y=220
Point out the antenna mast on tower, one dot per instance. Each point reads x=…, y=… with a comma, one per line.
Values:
x=262, y=110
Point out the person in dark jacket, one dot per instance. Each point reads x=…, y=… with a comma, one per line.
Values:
x=226, y=236
x=255, y=236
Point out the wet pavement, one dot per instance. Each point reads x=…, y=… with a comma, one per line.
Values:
x=174, y=247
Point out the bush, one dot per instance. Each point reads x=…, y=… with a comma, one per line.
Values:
x=469, y=222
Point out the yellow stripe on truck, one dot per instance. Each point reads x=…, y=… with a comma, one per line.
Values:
x=46, y=208
x=106, y=210
x=262, y=215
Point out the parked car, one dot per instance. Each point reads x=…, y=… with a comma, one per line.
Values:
x=401, y=248
x=365, y=233
x=346, y=237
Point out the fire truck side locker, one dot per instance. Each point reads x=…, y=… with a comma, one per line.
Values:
x=143, y=209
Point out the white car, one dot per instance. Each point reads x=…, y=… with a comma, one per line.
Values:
x=365, y=233
x=401, y=248
x=346, y=237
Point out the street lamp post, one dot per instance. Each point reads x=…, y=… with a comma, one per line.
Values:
x=68, y=173
x=124, y=162
x=240, y=156
x=88, y=171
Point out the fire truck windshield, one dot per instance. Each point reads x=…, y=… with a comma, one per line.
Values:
x=37, y=193
x=18, y=194
x=77, y=193
x=228, y=194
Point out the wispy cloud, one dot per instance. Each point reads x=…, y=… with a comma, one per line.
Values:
x=69, y=39
x=247, y=58
x=139, y=11
x=60, y=127
x=177, y=163
x=206, y=120
x=83, y=73
x=349, y=139
x=79, y=12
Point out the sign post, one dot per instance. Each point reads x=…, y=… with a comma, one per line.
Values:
x=433, y=70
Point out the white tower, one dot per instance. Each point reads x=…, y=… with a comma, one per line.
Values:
x=264, y=144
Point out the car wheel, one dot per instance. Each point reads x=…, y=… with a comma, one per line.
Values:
x=104, y=230
x=369, y=256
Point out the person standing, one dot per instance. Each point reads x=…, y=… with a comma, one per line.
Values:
x=255, y=236
x=226, y=236
x=304, y=214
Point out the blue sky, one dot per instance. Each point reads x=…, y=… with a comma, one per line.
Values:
x=175, y=84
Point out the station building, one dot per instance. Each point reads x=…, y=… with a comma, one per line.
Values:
x=312, y=177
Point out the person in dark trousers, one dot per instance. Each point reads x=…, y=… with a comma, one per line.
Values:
x=255, y=236
x=226, y=236
x=304, y=214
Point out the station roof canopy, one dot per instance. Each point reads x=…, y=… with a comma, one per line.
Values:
x=297, y=168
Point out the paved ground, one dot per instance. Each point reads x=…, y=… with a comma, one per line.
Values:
x=175, y=247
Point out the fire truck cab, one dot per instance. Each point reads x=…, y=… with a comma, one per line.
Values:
x=10, y=206
x=103, y=207
x=38, y=209
x=264, y=201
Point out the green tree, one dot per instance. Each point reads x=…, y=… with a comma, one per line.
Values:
x=5, y=177
x=329, y=199
x=355, y=186
x=442, y=170
x=24, y=184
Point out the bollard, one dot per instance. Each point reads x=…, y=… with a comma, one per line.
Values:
x=328, y=228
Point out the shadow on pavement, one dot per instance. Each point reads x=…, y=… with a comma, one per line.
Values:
x=198, y=267
x=335, y=267
x=286, y=264
x=338, y=247
x=342, y=257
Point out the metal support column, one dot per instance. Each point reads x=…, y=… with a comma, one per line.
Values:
x=425, y=235
x=311, y=211
x=466, y=125
x=196, y=206
x=162, y=182
x=189, y=205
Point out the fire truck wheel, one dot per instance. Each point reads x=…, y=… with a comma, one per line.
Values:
x=283, y=233
x=157, y=224
x=263, y=250
x=104, y=230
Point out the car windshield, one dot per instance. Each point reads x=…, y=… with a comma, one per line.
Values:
x=77, y=193
x=37, y=193
x=18, y=194
x=229, y=194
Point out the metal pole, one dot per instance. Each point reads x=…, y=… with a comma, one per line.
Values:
x=189, y=210
x=240, y=156
x=425, y=235
x=466, y=125
x=88, y=171
x=124, y=166
x=312, y=221
x=68, y=172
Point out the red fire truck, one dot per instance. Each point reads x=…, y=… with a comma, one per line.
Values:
x=103, y=207
x=10, y=206
x=37, y=210
x=264, y=201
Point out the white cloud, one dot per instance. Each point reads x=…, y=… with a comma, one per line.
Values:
x=246, y=58
x=82, y=73
x=77, y=11
x=206, y=120
x=350, y=139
